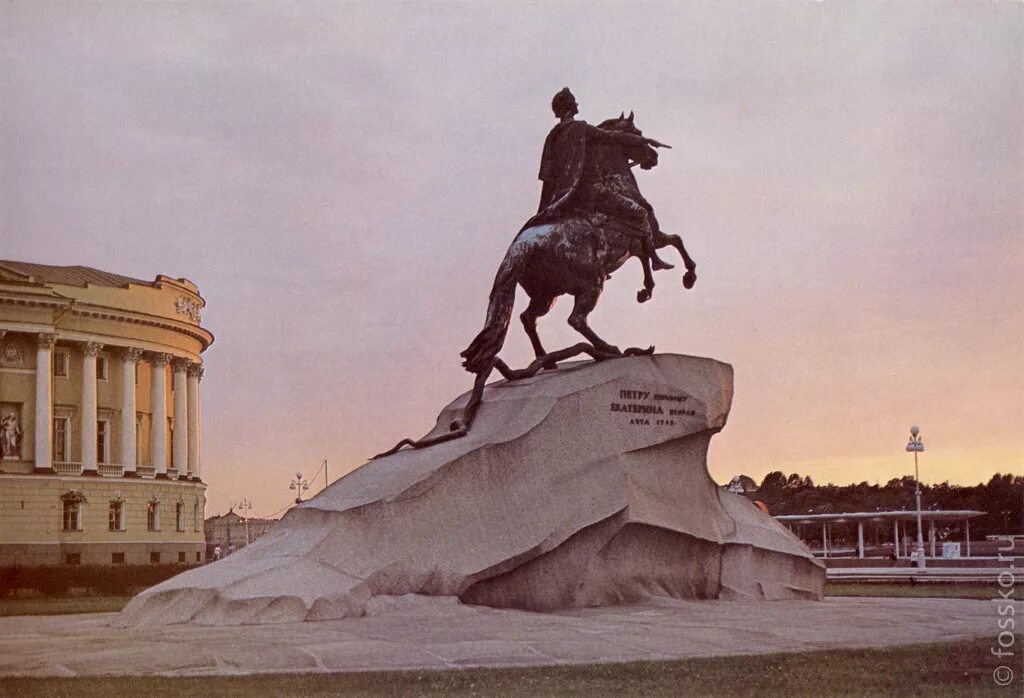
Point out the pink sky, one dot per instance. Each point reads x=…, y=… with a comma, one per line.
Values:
x=341, y=181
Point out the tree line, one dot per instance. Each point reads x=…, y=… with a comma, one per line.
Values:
x=1002, y=498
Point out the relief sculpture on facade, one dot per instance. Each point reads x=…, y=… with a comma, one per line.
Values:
x=11, y=433
x=188, y=307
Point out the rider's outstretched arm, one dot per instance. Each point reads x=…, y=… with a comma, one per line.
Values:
x=608, y=137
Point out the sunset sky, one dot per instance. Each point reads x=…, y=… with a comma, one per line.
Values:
x=342, y=179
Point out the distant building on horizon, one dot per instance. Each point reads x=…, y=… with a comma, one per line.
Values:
x=100, y=429
x=233, y=529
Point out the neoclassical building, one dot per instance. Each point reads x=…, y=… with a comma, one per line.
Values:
x=100, y=422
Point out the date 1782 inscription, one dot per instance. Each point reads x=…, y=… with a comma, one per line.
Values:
x=649, y=408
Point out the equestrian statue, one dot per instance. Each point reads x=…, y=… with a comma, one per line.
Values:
x=591, y=219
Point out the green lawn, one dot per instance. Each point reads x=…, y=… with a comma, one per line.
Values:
x=949, y=668
x=45, y=606
x=970, y=590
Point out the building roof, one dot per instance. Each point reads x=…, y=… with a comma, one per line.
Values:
x=231, y=512
x=70, y=276
x=238, y=517
x=926, y=514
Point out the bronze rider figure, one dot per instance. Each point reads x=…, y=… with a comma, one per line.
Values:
x=562, y=165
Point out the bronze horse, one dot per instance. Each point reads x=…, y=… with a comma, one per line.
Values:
x=574, y=255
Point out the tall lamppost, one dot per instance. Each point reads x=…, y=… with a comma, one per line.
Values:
x=300, y=486
x=916, y=445
x=245, y=506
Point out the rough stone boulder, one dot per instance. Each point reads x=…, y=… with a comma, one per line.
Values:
x=582, y=486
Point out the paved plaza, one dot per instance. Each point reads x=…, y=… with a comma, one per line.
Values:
x=440, y=633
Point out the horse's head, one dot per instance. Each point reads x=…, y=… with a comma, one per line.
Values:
x=645, y=154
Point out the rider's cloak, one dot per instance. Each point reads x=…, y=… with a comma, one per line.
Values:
x=561, y=170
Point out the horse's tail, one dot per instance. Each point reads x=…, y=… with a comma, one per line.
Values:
x=479, y=355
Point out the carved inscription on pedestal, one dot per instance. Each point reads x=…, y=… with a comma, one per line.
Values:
x=649, y=408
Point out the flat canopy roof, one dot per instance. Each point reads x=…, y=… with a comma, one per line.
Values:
x=929, y=514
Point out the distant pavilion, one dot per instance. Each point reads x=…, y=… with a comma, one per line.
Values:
x=906, y=518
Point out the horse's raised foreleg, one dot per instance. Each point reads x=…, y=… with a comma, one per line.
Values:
x=586, y=301
x=644, y=294
x=538, y=307
x=662, y=239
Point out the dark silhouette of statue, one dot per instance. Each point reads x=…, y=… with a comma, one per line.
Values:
x=592, y=219
x=570, y=186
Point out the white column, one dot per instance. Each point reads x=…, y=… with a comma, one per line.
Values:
x=967, y=535
x=194, y=371
x=860, y=539
x=44, y=403
x=88, y=426
x=199, y=424
x=896, y=538
x=129, y=447
x=179, y=455
x=824, y=540
x=158, y=406
x=931, y=535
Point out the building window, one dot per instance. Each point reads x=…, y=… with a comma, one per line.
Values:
x=73, y=559
x=61, y=426
x=154, y=558
x=153, y=516
x=60, y=363
x=197, y=518
x=116, y=515
x=181, y=557
x=199, y=556
x=179, y=516
x=102, y=440
x=101, y=368
x=136, y=373
x=72, y=515
x=117, y=558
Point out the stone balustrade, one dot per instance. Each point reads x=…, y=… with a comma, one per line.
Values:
x=70, y=468
x=67, y=468
x=110, y=469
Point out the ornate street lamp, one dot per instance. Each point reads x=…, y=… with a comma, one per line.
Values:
x=245, y=506
x=300, y=486
x=915, y=446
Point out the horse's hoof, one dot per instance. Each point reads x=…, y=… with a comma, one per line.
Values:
x=643, y=296
x=689, y=279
